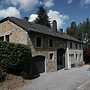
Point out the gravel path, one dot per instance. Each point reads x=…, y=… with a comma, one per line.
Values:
x=60, y=80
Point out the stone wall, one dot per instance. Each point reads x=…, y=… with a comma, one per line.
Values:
x=51, y=65
x=16, y=34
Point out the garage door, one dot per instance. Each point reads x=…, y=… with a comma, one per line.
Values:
x=38, y=64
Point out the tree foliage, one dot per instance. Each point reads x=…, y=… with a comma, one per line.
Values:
x=81, y=31
x=42, y=18
x=72, y=29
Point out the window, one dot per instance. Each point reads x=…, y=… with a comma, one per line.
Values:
x=79, y=46
x=70, y=45
x=76, y=55
x=7, y=38
x=50, y=43
x=76, y=45
x=80, y=57
x=38, y=42
x=2, y=38
x=51, y=56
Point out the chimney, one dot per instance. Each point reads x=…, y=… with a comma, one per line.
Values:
x=61, y=30
x=54, y=26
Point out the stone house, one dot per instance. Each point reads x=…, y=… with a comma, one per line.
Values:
x=51, y=50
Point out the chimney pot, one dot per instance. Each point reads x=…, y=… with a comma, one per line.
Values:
x=61, y=30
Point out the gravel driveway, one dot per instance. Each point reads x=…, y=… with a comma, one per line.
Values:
x=60, y=80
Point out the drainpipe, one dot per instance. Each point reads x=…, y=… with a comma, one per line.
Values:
x=67, y=59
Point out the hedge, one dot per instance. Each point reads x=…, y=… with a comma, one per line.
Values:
x=15, y=57
x=87, y=55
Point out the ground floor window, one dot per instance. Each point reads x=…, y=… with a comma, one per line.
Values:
x=71, y=58
x=51, y=55
x=76, y=57
x=80, y=56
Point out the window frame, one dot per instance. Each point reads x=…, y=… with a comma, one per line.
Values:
x=71, y=45
x=2, y=37
x=36, y=42
x=76, y=45
x=80, y=46
x=7, y=40
x=49, y=43
x=49, y=53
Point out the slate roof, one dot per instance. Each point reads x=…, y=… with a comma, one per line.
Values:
x=28, y=26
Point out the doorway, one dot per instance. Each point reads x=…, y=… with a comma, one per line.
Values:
x=60, y=58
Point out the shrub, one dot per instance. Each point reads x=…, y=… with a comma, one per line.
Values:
x=15, y=57
x=87, y=55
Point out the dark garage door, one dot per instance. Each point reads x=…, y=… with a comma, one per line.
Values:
x=38, y=64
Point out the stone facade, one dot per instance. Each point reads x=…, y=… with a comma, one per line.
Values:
x=19, y=35
x=45, y=50
x=16, y=34
x=74, y=55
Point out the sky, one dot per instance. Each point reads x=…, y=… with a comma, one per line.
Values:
x=63, y=11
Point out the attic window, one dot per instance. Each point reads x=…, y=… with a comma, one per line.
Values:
x=7, y=38
x=2, y=38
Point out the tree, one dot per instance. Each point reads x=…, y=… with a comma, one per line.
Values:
x=72, y=29
x=81, y=31
x=42, y=18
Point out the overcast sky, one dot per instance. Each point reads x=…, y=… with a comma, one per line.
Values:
x=63, y=11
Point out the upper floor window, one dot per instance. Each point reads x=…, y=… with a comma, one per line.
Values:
x=7, y=37
x=76, y=55
x=70, y=44
x=79, y=46
x=76, y=45
x=50, y=42
x=38, y=42
x=2, y=38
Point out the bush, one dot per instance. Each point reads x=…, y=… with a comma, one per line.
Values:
x=15, y=57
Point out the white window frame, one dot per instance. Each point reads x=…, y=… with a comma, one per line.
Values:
x=49, y=55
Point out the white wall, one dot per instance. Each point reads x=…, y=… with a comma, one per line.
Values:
x=73, y=55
